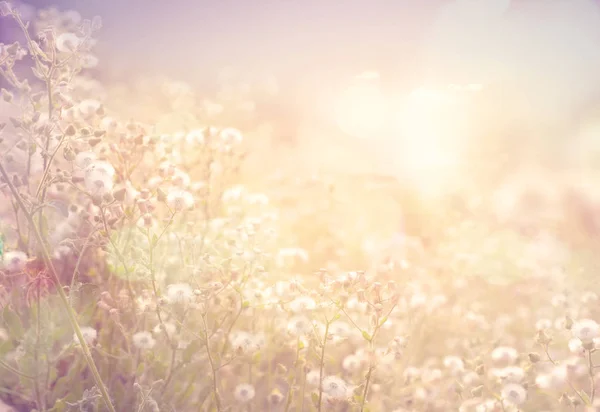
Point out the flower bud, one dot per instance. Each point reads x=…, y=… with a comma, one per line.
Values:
x=108, y=197
x=543, y=338
x=120, y=194
x=70, y=130
x=568, y=322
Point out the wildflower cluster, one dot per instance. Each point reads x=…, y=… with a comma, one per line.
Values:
x=144, y=271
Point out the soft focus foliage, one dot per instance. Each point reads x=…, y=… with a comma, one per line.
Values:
x=153, y=265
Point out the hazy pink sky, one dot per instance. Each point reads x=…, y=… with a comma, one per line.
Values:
x=190, y=37
x=549, y=49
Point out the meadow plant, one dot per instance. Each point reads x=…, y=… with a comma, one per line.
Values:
x=140, y=272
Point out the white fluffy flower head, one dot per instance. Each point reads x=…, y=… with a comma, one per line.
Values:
x=336, y=387
x=67, y=42
x=586, y=330
x=245, y=343
x=299, y=326
x=244, y=392
x=84, y=159
x=504, y=355
x=179, y=200
x=302, y=304
x=99, y=177
x=89, y=335
x=143, y=340
x=14, y=261
x=514, y=393
x=180, y=293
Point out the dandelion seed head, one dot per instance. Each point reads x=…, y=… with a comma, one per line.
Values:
x=89, y=335
x=143, y=340
x=504, y=355
x=85, y=159
x=585, y=330
x=299, y=326
x=14, y=261
x=67, y=42
x=336, y=387
x=180, y=293
x=245, y=343
x=244, y=393
x=514, y=393
x=180, y=200
x=88, y=61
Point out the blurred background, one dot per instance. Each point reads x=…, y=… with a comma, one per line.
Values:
x=414, y=118
x=534, y=62
x=443, y=96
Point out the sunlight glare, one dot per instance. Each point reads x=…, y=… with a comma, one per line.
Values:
x=430, y=126
x=361, y=111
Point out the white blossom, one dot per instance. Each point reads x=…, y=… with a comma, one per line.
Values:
x=14, y=261
x=336, y=387
x=99, y=177
x=299, y=326
x=67, y=42
x=143, y=340
x=179, y=200
x=505, y=355
x=514, y=394
x=180, y=293
x=244, y=392
x=302, y=304
x=585, y=330
x=244, y=342
x=89, y=335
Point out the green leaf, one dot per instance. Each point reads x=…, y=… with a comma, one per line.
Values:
x=140, y=369
x=6, y=347
x=300, y=345
x=315, y=398
x=383, y=320
x=59, y=406
x=256, y=358
x=585, y=398
x=366, y=335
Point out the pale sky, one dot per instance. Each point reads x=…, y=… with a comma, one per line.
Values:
x=548, y=50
